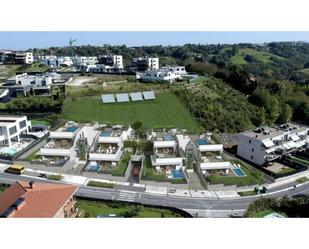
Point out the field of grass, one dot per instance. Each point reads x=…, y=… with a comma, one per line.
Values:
x=36, y=121
x=247, y=193
x=253, y=177
x=95, y=208
x=165, y=111
x=286, y=170
x=261, y=56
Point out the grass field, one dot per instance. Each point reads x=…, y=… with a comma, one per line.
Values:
x=261, y=56
x=165, y=111
x=95, y=208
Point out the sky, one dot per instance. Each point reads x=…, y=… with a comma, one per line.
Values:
x=24, y=40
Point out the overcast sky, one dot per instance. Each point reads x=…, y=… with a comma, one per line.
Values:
x=25, y=40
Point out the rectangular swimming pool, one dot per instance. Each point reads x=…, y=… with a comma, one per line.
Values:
x=201, y=141
x=239, y=172
x=177, y=174
x=168, y=137
x=93, y=168
x=105, y=133
x=71, y=129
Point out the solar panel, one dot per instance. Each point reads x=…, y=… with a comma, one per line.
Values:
x=122, y=97
x=149, y=95
x=108, y=98
x=136, y=96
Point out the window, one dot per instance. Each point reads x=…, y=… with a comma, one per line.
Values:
x=22, y=124
x=251, y=157
x=250, y=141
x=12, y=130
x=252, y=150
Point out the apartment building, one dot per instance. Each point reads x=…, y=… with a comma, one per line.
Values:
x=38, y=200
x=142, y=64
x=54, y=61
x=11, y=129
x=81, y=61
x=266, y=144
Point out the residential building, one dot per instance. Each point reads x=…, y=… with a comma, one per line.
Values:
x=158, y=76
x=142, y=64
x=38, y=200
x=111, y=60
x=11, y=57
x=81, y=61
x=166, y=155
x=106, y=64
x=208, y=155
x=54, y=61
x=107, y=148
x=266, y=144
x=60, y=146
x=11, y=129
x=178, y=70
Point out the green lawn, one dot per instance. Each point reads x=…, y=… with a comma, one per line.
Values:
x=121, y=169
x=300, y=160
x=303, y=179
x=261, y=56
x=165, y=111
x=95, y=208
x=54, y=177
x=150, y=174
x=247, y=193
x=263, y=213
x=253, y=177
x=100, y=184
x=286, y=170
x=36, y=121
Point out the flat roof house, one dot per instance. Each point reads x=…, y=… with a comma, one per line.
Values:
x=38, y=200
x=142, y=64
x=266, y=144
x=107, y=149
x=158, y=76
x=165, y=152
x=11, y=129
x=60, y=145
x=209, y=155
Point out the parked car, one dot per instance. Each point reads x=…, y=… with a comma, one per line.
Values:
x=43, y=175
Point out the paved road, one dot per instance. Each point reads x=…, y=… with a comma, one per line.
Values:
x=205, y=207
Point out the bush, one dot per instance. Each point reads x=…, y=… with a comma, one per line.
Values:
x=54, y=177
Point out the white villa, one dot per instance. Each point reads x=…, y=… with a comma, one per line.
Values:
x=107, y=149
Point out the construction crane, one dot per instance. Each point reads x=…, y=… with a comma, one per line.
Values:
x=71, y=45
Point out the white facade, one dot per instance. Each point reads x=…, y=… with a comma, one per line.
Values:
x=269, y=143
x=178, y=70
x=161, y=76
x=28, y=58
x=54, y=61
x=145, y=63
x=11, y=127
x=85, y=60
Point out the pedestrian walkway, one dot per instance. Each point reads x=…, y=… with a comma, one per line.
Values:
x=127, y=196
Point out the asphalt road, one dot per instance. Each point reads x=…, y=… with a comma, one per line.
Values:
x=204, y=207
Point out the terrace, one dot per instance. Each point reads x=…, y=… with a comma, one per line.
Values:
x=63, y=143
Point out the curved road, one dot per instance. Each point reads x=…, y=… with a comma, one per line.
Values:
x=202, y=207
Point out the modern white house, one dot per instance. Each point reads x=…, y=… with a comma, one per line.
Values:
x=24, y=83
x=107, y=148
x=158, y=76
x=142, y=64
x=266, y=144
x=209, y=156
x=11, y=128
x=165, y=153
x=105, y=64
x=80, y=61
x=54, y=61
x=178, y=70
x=60, y=146
x=11, y=57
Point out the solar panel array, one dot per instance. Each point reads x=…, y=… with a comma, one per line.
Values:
x=136, y=96
x=149, y=95
x=108, y=98
x=122, y=97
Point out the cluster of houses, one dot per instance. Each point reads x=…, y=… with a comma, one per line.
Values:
x=13, y=57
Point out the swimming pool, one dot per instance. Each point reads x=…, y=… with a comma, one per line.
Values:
x=239, y=172
x=93, y=168
x=71, y=129
x=8, y=150
x=201, y=141
x=105, y=133
x=168, y=137
x=177, y=174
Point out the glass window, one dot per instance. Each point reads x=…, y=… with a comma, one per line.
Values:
x=12, y=130
x=22, y=124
